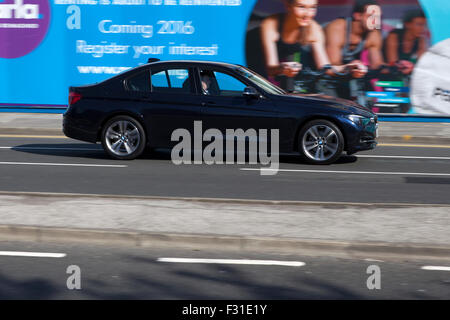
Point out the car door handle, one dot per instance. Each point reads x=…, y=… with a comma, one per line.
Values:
x=209, y=103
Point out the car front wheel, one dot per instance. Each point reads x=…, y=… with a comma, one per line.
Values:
x=320, y=142
x=123, y=138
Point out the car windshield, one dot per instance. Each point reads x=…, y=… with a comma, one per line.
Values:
x=259, y=81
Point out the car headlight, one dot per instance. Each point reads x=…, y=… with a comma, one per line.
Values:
x=355, y=119
x=359, y=120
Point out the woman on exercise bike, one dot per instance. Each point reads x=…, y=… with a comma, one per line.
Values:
x=403, y=47
x=294, y=41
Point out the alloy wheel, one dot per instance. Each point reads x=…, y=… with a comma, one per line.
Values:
x=122, y=138
x=320, y=143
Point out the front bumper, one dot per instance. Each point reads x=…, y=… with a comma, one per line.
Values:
x=362, y=136
x=362, y=146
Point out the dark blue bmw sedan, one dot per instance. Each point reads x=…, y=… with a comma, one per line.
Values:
x=142, y=107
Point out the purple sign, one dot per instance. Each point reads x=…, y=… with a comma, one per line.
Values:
x=23, y=26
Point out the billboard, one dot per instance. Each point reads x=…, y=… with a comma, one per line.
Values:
x=48, y=45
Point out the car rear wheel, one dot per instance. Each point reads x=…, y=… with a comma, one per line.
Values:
x=123, y=138
x=320, y=142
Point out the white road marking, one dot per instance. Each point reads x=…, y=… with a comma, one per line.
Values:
x=51, y=148
x=350, y=172
x=232, y=261
x=373, y=260
x=32, y=254
x=410, y=145
x=435, y=268
x=64, y=164
x=402, y=157
x=32, y=136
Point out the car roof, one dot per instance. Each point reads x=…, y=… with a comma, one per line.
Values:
x=193, y=62
x=189, y=63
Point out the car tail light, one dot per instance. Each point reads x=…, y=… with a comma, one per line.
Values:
x=74, y=97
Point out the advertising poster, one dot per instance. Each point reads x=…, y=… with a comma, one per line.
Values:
x=392, y=56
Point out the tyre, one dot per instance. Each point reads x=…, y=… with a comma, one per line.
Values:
x=320, y=142
x=123, y=138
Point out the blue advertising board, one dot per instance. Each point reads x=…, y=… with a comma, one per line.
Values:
x=48, y=45
x=86, y=41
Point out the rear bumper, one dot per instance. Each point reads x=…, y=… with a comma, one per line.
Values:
x=73, y=130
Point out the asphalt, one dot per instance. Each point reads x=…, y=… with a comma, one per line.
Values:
x=346, y=213
x=109, y=272
x=386, y=175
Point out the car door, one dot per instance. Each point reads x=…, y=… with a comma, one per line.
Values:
x=227, y=108
x=172, y=103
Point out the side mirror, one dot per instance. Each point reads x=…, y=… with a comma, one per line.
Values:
x=250, y=92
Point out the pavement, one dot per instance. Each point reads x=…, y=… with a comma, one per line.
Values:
x=390, y=132
x=342, y=229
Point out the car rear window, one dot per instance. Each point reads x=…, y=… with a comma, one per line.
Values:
x=139, y=82
x=171, y=81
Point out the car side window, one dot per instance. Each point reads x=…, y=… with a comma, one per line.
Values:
x=139, y=82
x=171, y=81
x=159, y=80
x=228, y=85
x=217, y=83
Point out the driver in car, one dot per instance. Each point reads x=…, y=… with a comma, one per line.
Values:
x=206, y=83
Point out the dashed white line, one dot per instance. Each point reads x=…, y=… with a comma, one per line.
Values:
x=435, y=268
x=32, y=136
x=373, y=260
x=402, y=157
x=233, y=261
x=350, y=172
x=409, y=145
x=32, y=254
x=51, y=148
x=64, y=164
